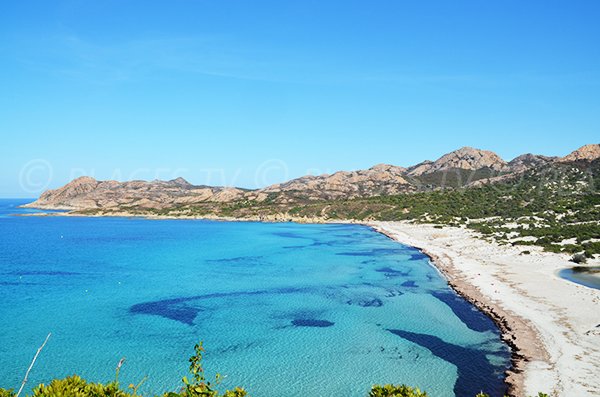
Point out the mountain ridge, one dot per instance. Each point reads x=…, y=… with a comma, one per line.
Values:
x=466, y=166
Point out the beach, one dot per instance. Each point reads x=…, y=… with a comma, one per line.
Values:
x=552, y=325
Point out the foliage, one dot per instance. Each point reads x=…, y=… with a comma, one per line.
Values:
x=396, y=391
x=74, y=386
x=198, y=386
x=579, y=258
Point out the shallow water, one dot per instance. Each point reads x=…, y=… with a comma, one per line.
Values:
x=283, y=309
x=588, y=276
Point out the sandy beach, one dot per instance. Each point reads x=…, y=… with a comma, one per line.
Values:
x=553, y=325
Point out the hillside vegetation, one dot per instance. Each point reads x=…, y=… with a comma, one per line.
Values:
x=555, y=206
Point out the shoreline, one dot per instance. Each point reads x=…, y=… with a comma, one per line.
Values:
x=553, y=334
x=552, y=325
x=514, y=378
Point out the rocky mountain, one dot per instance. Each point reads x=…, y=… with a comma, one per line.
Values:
x=527, y=161
x=465, y=158
x=88, y=193
x=587, y=153
x=382, y=179
x=464, y=167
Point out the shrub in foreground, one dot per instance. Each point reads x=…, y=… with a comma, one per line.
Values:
x=396, y=391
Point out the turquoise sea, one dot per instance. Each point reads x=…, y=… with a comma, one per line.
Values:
x=283, y=309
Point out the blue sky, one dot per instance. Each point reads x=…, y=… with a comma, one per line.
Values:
x=252, y=92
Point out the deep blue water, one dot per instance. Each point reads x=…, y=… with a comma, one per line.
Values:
x=283, y=309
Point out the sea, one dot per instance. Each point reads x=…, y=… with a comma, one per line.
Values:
x=283, y=309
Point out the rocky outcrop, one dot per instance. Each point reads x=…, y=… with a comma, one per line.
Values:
x=88, y=193
x=586, y=153
x=466, y=158
x=528, y=161
x=382, y=179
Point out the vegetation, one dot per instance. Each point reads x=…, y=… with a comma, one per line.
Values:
x=195, y=386
x=396, y=391
x=556, y=206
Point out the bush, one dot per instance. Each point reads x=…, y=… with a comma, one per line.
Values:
x=198, y=386
x=74, y=386
x=579, y=258
x=396, y=391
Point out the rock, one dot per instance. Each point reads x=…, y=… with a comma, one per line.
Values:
x=527, y=161
x=588, y=153
x=88, y=193
x=381, y=179
x=466, y=158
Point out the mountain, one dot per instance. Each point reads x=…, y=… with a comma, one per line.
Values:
x=586, y=153
x=88, y=193
x=527, y=161
x=465, y=167
x=379, y=180
x=465, y=158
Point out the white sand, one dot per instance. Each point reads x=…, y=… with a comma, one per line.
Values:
x=555, y=323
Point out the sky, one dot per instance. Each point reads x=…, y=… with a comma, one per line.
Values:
x=250, y=93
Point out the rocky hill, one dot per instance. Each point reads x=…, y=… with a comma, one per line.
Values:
x=587, y=152
x=463, y=167
x=465, y=158
x=88, y=193
x=527, y=161
x=379, y=180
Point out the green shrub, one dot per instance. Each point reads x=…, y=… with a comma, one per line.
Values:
x=579, y=258
x=6, y=392
x=198, y=386
x=396, y=391
x=74, y=386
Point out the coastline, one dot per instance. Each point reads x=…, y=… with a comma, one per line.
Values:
x=552, y=325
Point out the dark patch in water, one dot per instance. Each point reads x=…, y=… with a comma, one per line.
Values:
x=389, y=272
x=462, y=309
x=418, y=257
x=375, y=302
x=238, y=259
x=326, y=243
x=409, y=284
x=393, y=292
x=376, y=252
x=236, y=348
x=295, y=246
x=291, y=235
x=310, y=322
x=178, y=309
x=475, y=373
x=170, y=308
